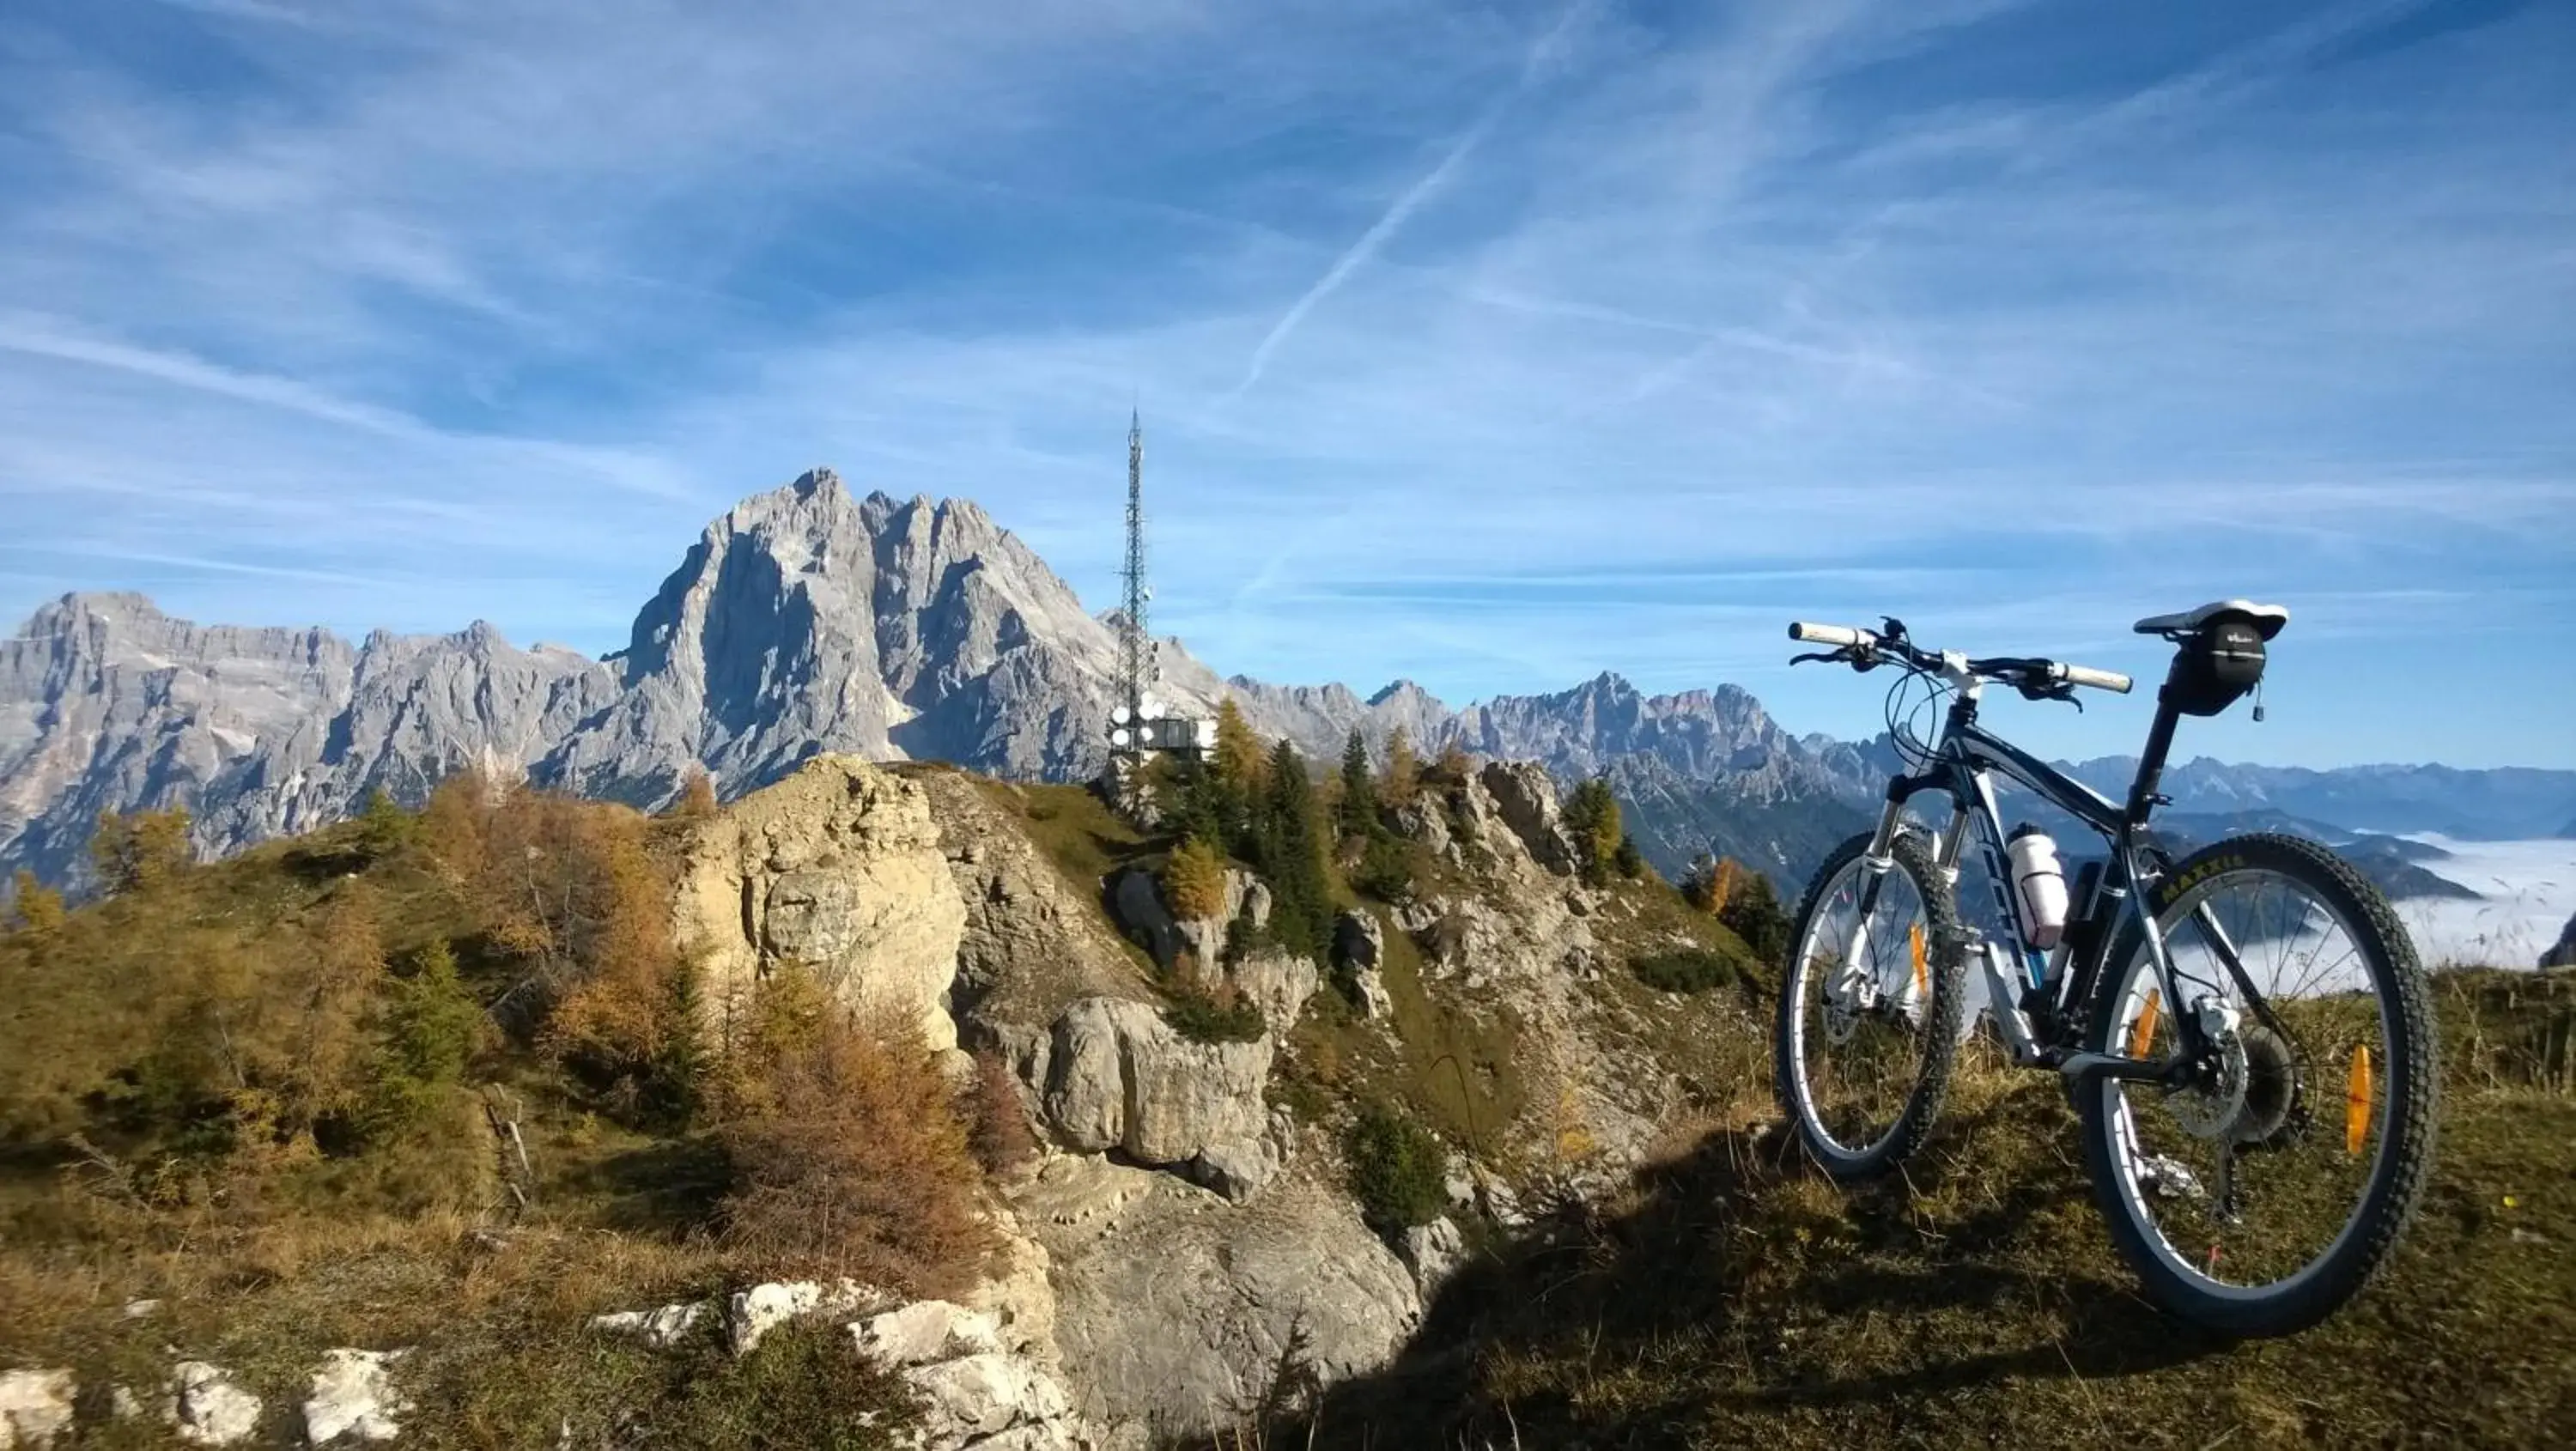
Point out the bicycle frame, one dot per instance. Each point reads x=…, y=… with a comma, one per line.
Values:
x=1962, y=767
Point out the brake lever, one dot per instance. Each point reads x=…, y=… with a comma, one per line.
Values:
x=1827, y=656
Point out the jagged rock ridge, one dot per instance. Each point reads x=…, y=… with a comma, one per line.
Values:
x=808, y=620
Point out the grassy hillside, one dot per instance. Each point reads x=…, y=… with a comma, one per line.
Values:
x=1733, y=1297
x=263, y=1094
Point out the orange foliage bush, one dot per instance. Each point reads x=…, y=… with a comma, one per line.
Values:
x=848, y=1157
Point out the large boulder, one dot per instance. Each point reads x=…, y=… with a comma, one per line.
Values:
x=1277, y=980
x=837, y=867
x=994, y=1400
x=1526, y=800
x=1111, y=1074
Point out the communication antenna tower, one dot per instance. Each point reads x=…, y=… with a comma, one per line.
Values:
x=1136, y=652
x=1140, y=725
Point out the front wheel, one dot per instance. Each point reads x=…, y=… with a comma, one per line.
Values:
x=1869, y=1008
x=2262, y=1187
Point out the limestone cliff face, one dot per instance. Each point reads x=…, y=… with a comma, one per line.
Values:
x=837, y=867
x=106, y=704
x=808, y=621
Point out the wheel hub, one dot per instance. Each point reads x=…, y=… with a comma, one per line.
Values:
x=2215, y=1099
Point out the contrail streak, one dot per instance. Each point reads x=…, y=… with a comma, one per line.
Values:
x=1414, y=196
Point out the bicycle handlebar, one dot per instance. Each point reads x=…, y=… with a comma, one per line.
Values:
x=2110, y=680
x=1842, y=635
x=1864, y=648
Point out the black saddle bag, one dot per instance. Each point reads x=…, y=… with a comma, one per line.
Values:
x=2215, y=668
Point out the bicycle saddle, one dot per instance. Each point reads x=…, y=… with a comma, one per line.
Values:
x=2267, y=620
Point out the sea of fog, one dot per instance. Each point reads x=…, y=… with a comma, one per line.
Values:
x=2526, y=890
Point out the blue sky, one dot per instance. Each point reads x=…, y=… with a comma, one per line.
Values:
x=1487, y=344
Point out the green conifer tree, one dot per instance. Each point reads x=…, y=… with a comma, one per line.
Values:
x=1359, y=790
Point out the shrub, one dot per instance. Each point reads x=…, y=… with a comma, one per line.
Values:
x=1689, y=970
x=140, y=851
x=1388, y=869
x=428, y=1036
x=1398, y=1170
x=848, y=1155
x=1630, y=861
x=33, y=906
x=1753, y=911
x=1194, y=880
x=999, y=1132
x=697, y=800
x=384, y=828
x=1223, y=1016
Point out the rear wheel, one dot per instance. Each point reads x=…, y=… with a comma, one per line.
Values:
x=2262, y=1190
x=1869, y=1008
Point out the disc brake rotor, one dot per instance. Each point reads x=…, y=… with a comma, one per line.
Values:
x=2213, y=1106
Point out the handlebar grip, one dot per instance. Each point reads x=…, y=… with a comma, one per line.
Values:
x=1837, y=635
x=2110, y=680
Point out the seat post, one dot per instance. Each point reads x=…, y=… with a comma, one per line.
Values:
x=2151, y=763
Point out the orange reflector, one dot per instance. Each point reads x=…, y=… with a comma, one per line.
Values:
x=2142, y=1034
x=1914, y=937
x=2356, y=1101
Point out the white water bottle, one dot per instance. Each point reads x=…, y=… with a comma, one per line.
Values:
x=2039, y=886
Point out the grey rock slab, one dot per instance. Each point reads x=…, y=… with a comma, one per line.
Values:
x=1169, y=1309
x=35, y=1406
x=926, y=1331
x=210, y=1409
x=354, y=1398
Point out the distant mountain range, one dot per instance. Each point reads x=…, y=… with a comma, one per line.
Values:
x=808, y=620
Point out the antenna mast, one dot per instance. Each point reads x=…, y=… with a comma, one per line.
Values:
x=1134, y=665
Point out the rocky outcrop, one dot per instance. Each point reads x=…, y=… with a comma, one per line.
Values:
x=1033, y=942
x=1359, y=945
x=35, y=1406
x=1174, y=1311
x=1525, y=799
x=976, y=1391
x=1200, y=951
x=752, y=1313
x=838, y=868
x=1112, y=1074
x=1433, y=1251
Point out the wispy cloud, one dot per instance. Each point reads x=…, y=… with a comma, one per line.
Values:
x=1484, y=344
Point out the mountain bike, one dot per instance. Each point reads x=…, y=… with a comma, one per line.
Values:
x=2245, y=1033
